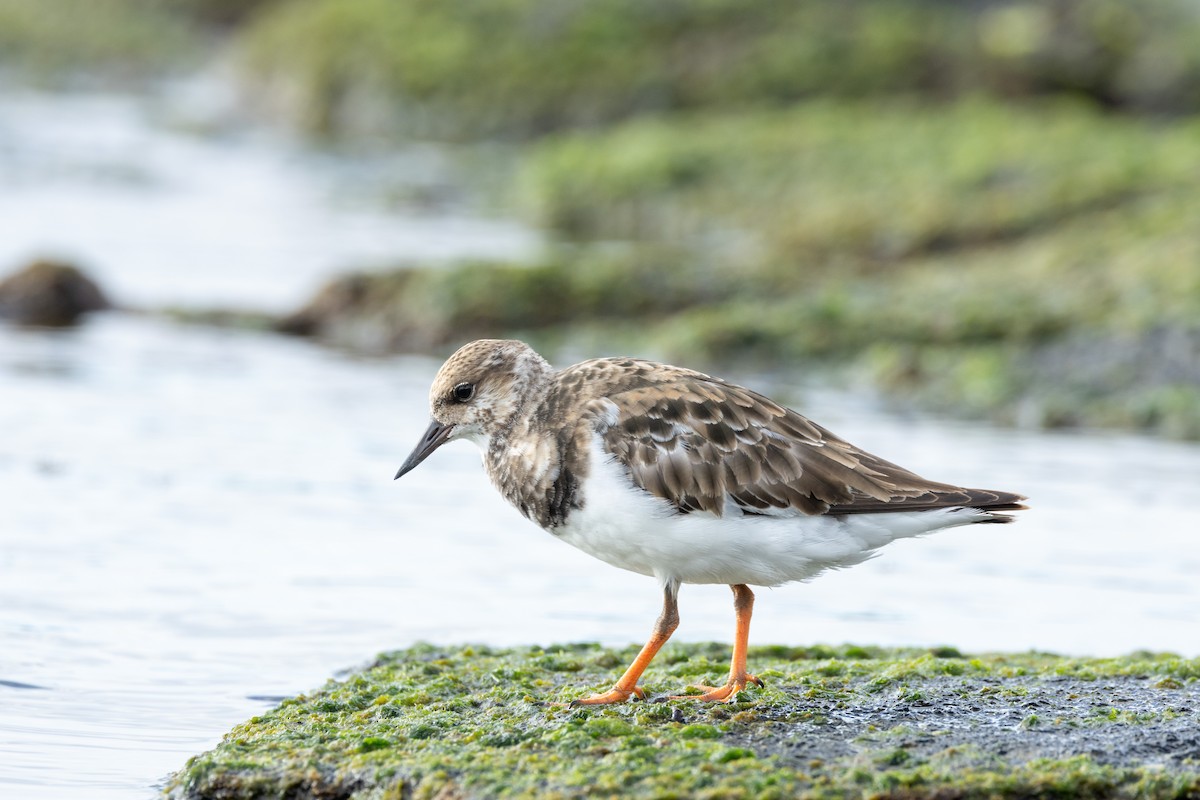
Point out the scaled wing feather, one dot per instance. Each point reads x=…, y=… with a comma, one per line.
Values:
x=704, y=445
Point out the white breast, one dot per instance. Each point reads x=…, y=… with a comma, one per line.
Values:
x=627, y=527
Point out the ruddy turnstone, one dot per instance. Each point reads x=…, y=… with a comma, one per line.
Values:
x=684, y=477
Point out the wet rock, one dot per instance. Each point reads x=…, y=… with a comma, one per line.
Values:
x=369, y=313
x=49, y=293
x=1144, y=380
x=1161, y=356
x=477, y=722
x=343, y=295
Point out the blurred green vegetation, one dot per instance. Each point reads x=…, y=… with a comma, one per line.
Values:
x=125, y=40
x=219, y=12
x=466, y=69
x=985, y=207
x=830, y=182
x=125, y=37
x=946, y=254
x=988, y=207
x=463, y=69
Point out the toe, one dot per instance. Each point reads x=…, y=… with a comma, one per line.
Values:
x=727, y=693
x=613, y=695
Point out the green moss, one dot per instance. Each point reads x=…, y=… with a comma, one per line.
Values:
x=420, y=309
x=120, y=37
x=489, y=726
x=836, y=185
x=527, y=66
x=699, y=731
x=757, y=237
x=1022, y=263
x=126, y=41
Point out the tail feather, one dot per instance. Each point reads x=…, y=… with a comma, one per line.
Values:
x=989, y=500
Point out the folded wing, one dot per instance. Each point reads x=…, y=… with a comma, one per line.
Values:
x=706, y=445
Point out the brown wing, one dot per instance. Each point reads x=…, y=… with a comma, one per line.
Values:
x=706, y=445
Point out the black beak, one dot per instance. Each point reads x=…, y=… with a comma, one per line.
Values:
x=434, y=437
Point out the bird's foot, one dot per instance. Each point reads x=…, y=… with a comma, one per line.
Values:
x=722, y=694
x=613, y=695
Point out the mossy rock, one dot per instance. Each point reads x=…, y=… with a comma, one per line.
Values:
x=417, y=309
x=843, y=722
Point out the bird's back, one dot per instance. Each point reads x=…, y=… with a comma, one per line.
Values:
x=709, y=446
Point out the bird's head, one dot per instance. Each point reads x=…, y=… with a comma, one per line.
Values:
x=479, y=391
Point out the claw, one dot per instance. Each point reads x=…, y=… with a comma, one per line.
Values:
x=613, y=695
x=727, y=693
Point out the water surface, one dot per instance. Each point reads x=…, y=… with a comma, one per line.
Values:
x=243, y=217
x=195, y=522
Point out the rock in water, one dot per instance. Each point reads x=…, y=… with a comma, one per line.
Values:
x=49, y=293
x=342, y=296
x=365, y=312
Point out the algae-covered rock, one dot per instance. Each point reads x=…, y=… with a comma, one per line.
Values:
x=359, y=311
x=842, y=722
x=421, y=309
x=49, y=293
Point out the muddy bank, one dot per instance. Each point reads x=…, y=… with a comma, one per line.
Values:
x=831, y=722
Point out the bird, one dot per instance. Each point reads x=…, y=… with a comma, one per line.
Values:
x=683, y=477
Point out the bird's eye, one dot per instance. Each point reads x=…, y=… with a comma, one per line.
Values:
x=464, y=392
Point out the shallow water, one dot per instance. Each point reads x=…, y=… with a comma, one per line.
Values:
x=196, y=522
x=241, y=217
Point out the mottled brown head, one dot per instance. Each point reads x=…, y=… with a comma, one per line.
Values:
x=479, y=392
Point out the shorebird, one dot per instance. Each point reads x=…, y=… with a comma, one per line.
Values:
x=681, y=476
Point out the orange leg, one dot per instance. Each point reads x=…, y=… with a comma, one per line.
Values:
x=626, y=686
x=743, y=607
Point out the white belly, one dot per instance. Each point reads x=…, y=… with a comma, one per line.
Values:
x=625, y=526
